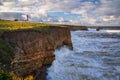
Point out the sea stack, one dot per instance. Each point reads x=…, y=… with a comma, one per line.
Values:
x=97, y=28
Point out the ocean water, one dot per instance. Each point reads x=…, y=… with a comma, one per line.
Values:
x=95, y=56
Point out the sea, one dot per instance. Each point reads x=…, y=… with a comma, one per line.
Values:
x=95, y=56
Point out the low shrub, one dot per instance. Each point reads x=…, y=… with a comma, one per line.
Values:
x=4, y=75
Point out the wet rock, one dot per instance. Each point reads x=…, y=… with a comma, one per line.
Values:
x=97, y=28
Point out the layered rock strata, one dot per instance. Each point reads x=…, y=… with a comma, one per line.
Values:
x=33, y=48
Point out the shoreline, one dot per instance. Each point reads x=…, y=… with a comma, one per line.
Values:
x=106, y=27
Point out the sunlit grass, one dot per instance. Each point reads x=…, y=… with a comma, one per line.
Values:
x=14, y=25
x=11, y=76
x=4, y=75
x=14, y=77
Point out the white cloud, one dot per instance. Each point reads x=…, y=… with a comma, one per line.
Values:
x=105, y=12
x=61, y=19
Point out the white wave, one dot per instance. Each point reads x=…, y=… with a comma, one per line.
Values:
x=83, y=42
x=113, y=31
x=101, y=31
x=91, y=58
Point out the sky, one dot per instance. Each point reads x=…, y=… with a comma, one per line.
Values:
x=78, y=12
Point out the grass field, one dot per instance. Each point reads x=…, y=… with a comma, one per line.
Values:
x=17, y=25
x=14, y=25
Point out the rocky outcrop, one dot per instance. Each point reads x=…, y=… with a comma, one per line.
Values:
x=75, y=27
x=97, y=28
x=34, y=49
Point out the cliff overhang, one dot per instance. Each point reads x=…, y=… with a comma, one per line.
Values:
x=34, y=49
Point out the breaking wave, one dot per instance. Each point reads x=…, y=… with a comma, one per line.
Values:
x=95, y=56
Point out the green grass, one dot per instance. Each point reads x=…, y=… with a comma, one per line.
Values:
x=6, y=56
x=4, y=75
x=14, y=25
x=6, y=25
x=5, y=47
x=45, y=30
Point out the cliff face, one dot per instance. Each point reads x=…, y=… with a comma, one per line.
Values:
x=34, y=49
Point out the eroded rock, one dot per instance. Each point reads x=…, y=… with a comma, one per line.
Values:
x=33, y=49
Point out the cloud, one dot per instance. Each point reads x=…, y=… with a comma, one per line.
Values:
x=105, y=13
x=1, y=4
x=11, y=16
x=84, y=12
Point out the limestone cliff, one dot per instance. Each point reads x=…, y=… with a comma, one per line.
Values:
x=33, y=49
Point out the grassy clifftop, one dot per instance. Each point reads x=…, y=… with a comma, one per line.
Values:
x=28, y=41
x=11, y=26
x=14, y=25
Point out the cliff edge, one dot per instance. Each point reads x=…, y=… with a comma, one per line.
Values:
x=33, y=49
